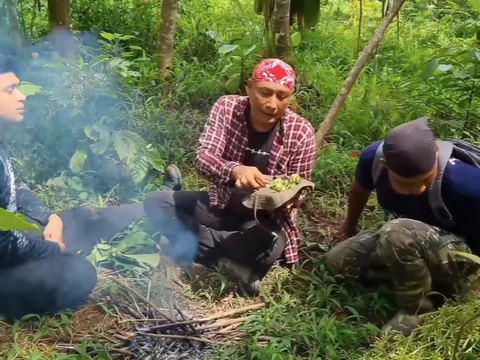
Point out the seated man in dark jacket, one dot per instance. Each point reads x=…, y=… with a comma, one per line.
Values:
x=36, y=275
x=412, y=172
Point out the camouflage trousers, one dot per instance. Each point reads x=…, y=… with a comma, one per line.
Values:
x=417, y=258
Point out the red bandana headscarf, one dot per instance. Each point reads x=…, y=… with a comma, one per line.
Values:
x=274, y=71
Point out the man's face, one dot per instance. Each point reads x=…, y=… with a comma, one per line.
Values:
x=413, y=186
x=268, y=101
x=11, y=99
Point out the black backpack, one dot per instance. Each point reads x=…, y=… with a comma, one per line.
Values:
x=458, y=149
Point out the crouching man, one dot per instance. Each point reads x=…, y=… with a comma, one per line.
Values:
x=432, y=188
x=246, y=140
x=36, y=275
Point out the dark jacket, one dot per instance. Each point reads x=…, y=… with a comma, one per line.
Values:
x=16, y=246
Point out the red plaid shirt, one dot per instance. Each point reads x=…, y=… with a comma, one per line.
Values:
x=223, y=145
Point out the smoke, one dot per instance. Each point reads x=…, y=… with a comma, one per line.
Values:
x=77, y=120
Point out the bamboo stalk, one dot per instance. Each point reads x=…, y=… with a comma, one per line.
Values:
x=228, y=329
x=223, y=323
x=211, y=318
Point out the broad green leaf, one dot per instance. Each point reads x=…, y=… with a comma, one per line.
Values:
x=83, y=195
x=15, y=221
x=238, y=59
x=242, y=41
x=75, y=183
x=155, y=159
x=225, y=49
x=107, y=36
x=150, y=259
x=90, y=133
x=138, y=168
x=100, y=147
x=137, y=139
x=102, y=130
x=120, y=145
x=77, y=161
x=460, y=75
x=295, y=39
x=29, y=89
x=127, y=144
x=233, y=83
x=58, y=181
x=126, y=37
x=249, y=50
x=134, y=240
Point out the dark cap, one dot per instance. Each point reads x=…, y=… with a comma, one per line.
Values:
x=410, y=149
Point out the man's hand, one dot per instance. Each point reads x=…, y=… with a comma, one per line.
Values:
x=347, y=230
x=54, y=230
x=297, y=201
x=248, y=177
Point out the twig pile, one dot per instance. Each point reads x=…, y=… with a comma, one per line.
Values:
x=186, y=338
x=170, y=333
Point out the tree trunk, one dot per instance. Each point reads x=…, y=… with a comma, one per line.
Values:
x=13, y=27
x=268, y=6
x=300, y=21
x=355, y=72
x=166, y=34
x=60, y=19
x=280, y=29
x=59, y=15
x=360, y=18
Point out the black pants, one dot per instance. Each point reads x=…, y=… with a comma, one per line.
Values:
x=198, y=233
x=45, y=285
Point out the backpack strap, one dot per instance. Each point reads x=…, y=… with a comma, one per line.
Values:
x=377, y=166
x=435, y=200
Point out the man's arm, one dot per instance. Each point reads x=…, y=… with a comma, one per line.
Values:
x=16, y=248
x=360, y=190
x=29, y=205
x=301, y=162
x=209, y=162
x=303, y=158
x=357, y=199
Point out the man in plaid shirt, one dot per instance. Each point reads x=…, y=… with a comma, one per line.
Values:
x=246, y=140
